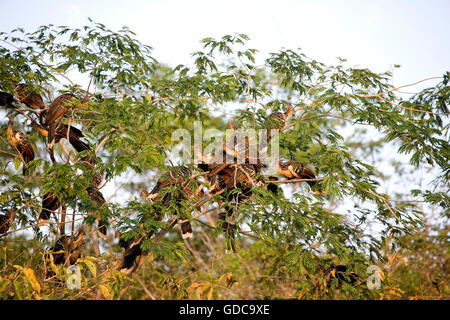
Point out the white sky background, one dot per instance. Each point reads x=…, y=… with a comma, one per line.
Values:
x=373, y=34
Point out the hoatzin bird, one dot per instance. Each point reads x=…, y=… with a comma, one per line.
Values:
x=71, y=245
x=28, y=96
x=96, y=196
x=61, y=133
x=226, y=179
x=66, y=251
x=50, y=203
x=297, y=170
x=177, y=175
x=340, y=273
x=56, y=110
x=162, y=196
x=236, y=151
x=6, y=100
x=243, y=178
x=19, y=141
x=6, y=221
x=278, y=120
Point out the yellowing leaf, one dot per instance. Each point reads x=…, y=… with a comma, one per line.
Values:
x=403, y=260
x=209, y=295
x=333, y=273
x=105, y=291
x=391, y=259
x=193, y=286
x=17, y=163
x=198, y=292
x=29, y=273
x=89, y=262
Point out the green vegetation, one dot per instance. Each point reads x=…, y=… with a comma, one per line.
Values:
x=383, y=158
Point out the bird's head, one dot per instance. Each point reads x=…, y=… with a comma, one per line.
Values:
x=289, y=110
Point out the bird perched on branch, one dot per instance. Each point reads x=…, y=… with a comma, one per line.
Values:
x=171, y=189
x=96, y=196
x=71, y=247
x=242, y=150
x=59, y=107
x=177, y=175
x=26, y=95
x=6, y=221
x=133, y=251
x=226, y=180
x=340, y=273
x=66, y=251
x=297, y=170
x=19, y=141
x=50, y=203
x=75, y=135
x=278, y=120
x=6, y=100
x=56, y=110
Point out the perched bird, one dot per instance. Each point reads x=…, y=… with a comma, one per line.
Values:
x=178, y=174
x=162, y=197
x=297, y=170
x=50, y=203
x=75, y=135
x=6, y=100
x=28, y=96
x=340, y=273
x=96, y=196
x=56, y=110
x=235, y=182
x=59, y=107
x=133, y=250
x=66, y=251
x=19, y=141
x=278, y=120
x=6, y=221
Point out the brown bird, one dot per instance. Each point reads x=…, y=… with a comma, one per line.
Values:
x=56, y=110
x=25, y=94
x=341, y=274
x=50, y=204
x=278, y=120
x=297, y=170
x=6, y=221
x=6, y=100
x=178, y=174
x=19, y=141
x=96, y=196
x=161, y=196
x=75, y=135
x=241, y=177
x=67, y=249
x=59, y=107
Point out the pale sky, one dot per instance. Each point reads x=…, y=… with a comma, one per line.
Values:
x=374, y=34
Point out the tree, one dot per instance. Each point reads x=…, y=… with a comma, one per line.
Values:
x=126, y=107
